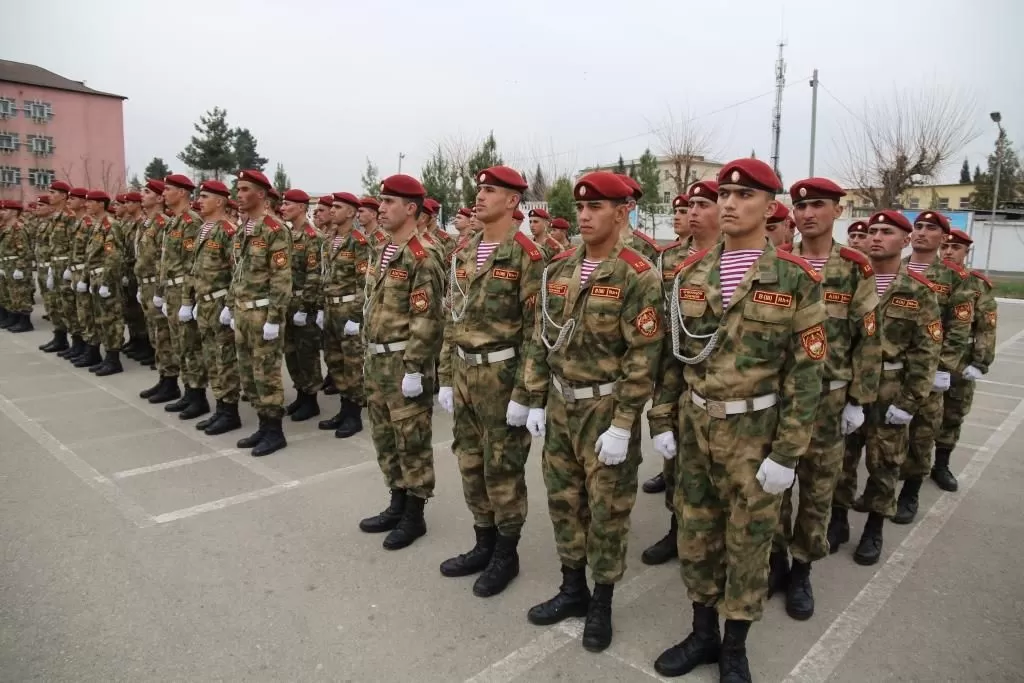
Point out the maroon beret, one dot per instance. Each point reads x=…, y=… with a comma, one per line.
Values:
x=216, y=187
x=97, y=196
x=681, y=201
x=155, y=185
x=346, y=198
x=752, y=173
x=633, y=185
x=32, y=205
x=560, y=224
x=60, y=186
x=502, y=176
x=890, y=216
x=370, y=203
x=251, y=175
x=857, y=226
x=707, y=189
x=132, y=196
x=119, y=197
x=540, y=213
x=465, y=212
x=296, y=196
x=79, y=192
x=815, y=188
x=326, y=200
x=10, y=204
x=431, y=205
x=517, y=215
x=780, y=215
x=935, y=218
x=273, y=193
x=959, y=237
x=404, y=186
x=43, y=199
x=179, y=180
x=601, y=185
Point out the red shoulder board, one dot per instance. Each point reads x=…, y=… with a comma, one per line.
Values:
x=670, y=246
x=443, y=234
x=380, y=235
x=921, y=278
x=416, y=248
x=564, y=255
x=359, y=237
x=692, y=258
x=807, y=267
x=187, y=217
x=956, y=268
x=310, y=232
x=646, y=238
x=785, y=247
x=858, y=258
x=528, y=246
x=271, y=223
x=638, y=262
x=981, y=276
x=228, y=227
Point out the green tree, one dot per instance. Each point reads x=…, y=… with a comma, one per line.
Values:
x=245, y=152
x=281, y=180
x=965, y=173
x=648, y=176
x=484, y=157
x=438, y=176
x=370, y=179
x=211, y=152
x=620, y=167
x=135, y=183
x=538, y=190
x=1010, y=176
x=561, y=203
x=157, y=169
x=977, y=174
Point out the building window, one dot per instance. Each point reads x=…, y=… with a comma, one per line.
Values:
x=10, y=175
x=40, y=144
x=666, y=197
x=915, y=203
x=38, y=111
x=8, y=142
x=41, y=177
x=965, y=203
x=8, y=108
x=944, y=203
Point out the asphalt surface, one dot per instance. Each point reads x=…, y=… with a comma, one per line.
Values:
x=138, y=549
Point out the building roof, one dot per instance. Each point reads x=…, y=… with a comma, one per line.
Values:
x=30, y=74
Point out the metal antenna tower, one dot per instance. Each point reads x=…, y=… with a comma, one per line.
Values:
x=780, y=85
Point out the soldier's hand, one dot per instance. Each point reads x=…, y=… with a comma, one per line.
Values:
x=897, y=416
x=853, y=418
x=941, y=381
x=225, y=317
x=972, y=374
x=299, y=318
x=124, y=280
x=67, y=274
x=49, y=281
x=516, y=414
x=612, y=445
x=773, y=477
x=104, y=292
x=320, y=319
x=138, y=297
x=18, y=275
x=412, y=384
x=665, y=444
x=270, y=331
x=185, y=313
x=535, y=421
x=82, y=287
x=163, y=309
x=351, y=328
x=158, y=302
x=446, y=398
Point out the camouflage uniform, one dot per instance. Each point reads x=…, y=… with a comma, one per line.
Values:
x=61, y=245
x=643, y=244
x=769, y=347
x=134, y=317
x=176, y=256
x=51, y=300
x=344, y=261
x=302, y=344
x=209, y=287
x=445, y=243
x=148, y=242
x=103, y=264
x=83, y=300
x=16, y=254
x=598, y=373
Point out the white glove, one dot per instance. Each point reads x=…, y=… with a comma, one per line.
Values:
x=104, y=292
x=412, y=384
x=972, y=374
x=163, y=309
x=49, y=272
x=299, y=318
x=853, y=418
x=225, y=317
x=185, y=313
x=67, y=274
x=665, y=444
x=535, y=421
x=138, y=296
x=516, y=414
x=270, y=331
x=18, y=275
x=320, y=319
x=158, y=302
x=897, y=416
x=231, y=324
x=351, y=328
x=446, y=397
x=2, y=272
x=941, y=381
x=82, y=287
x=49, y=281
x=773, y=477
x=124, y=280
x=611, y=446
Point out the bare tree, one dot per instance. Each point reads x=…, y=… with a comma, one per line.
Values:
x=682, y=141
x=903, y=140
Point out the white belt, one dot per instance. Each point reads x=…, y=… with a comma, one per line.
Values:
x=80, y=266
x=296, y=292
x=895, y=365
x=148, y=280
x=486, y=358
x=571, y=394
x=176, y=280
x=8, y=258
x=61, y=258
x=219, y=294
x=341, y=299
x=45, y=264
x=96, y=271
x=835, y=385
x=249, y=305
x=376, y=349
x=970, y=340
x=722, y=409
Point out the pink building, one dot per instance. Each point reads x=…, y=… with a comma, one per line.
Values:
x=53, y=128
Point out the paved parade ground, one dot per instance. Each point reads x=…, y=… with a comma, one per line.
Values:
x=135, y=548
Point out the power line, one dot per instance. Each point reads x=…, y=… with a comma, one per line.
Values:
x=842, y=104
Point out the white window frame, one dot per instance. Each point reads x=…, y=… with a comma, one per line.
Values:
x=41, y=177
x=40, y=145
x=37, y=110
x=914, y=203
x=10, y=176
x=943, y=204
x=965, y=203
x=8, y=108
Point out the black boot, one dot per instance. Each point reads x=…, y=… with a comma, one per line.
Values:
x=351, y=421
x=330, y=389
x=572, y=599
x=294, y=405
x=308, y=408
x=733, y=666
x=906, y=504
x=503, y=567
x=838, y=529
x=226, y=420
x=334, y=422
x=597, y=630
x=90, y=357
x=778, y=572
x=655, y=484
x=83, y=351
x=799, y=595
x=146, y=355
x=411, y=526
x=22, y=324
x=6, y=318
x=254, y=438
x=389, y=518
x=74, y=349
x=273, y=439
x=477, y=559
x=111, y=365
x=58, y=343
x=870, y=547
x=666, y=549
x=199, y=405
x=182, y=402
x=146, y=393
x=203, y=424
x=941, y=473
x=97, y=366
x=129, y=347
x=702, y=646
x=168, y=392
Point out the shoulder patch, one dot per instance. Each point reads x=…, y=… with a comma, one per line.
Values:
x=416, y=248
x=528, y=246
x=310, y=232
x=646, y=238
x=692, y=258
x=638, y=262
x=359, y=237
x=186, y=217
x=956, y=268
x=229, y=228
x=669, y=247
x=981, y=276
x=564, y=255
x=271, y=223
x=860, y=259
x=443, y=234
x=920, y=278
x=804, y=265
x=160, y=220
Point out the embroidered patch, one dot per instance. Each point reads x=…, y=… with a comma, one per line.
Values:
x=460, y=273
x=935, y=330
x=236, y=244
x=151, y=233
x=175, y=233
x=280, y=259
x=311, y=260
x=941, y=289
x=687, y=294
x=531, y=301
x=298, y=246
x=348, y=255
x=108, y=246
x=606, y=292
x=648, y=322
x=780, y=299
x=558, y=288
x=213, y=245
x=814, y=342
x=901, y=302
x=420, y=300
x=361, y=267
x=259, y=244
x=189, y=244
x=866, y=270
x=398, y=274
x=990, y=318
x=870, y=324
x=503, y=274
x=833, y=297
x=963, y=312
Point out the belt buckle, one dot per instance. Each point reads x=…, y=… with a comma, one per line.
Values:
x=716, y=409
x=568, y=393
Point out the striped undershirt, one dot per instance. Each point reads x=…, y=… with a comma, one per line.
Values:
x=882, y=282
x=389, y=253
x=733, y=267
x=249, y=225
x=817, y=263
x=918, y=267
x=691, y=251
x=204, y=231
x=586, y=269
x=483, y=252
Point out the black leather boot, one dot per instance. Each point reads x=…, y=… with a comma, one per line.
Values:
x=330, y=389
x=664, y=550
x=503, y=567
x=308, y=408
x=146, y=393
x=203, y=424
x=22, y=324
x=6, y=318
x=111, y=365
x=146, y=355
x=387, y=519
x=799, y=595
x=733, y=666
x=478, y=557
x=411, y=526
x=655, y=484
x=225, y=421
x=702, y=646
x=89, y=358
x=906, y=504
x=182, y=402
x=351, y=421
x=199, y=405
x=58, y=343
x=870, y=547
x=168, y=392
x=294, y=405
x=334, y=422
x=103, y=362
x=572, y=599
x=74, y=349
x=273, y=439
x=838, y=529
x=940, y=473
x=254, y=438
x=597, y=630
x=778, y=572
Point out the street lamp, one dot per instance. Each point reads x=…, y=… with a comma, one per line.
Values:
x=997, y=118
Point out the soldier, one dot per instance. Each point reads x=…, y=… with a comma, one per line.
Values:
x=261, y=288
x=210, y=282
x=857, y=236
x=517, y=219
x=540, y=224
x=344, y=258
x=493, y=282
x=849, y=382
x=957, y=401
x=104, y=264
x=744, y=379
x=910, y=328
x=462, y=223
x=16, y=267
x=781, y=228
x=322, y=212
x=402, y=329
x=956, y=294
x=44, y=214
x=233, y=211
x=640, y=241
x=301, y=336
x=440, y=236
x=88, y=353
x=560, y=232
x=367, y=218
x=59, y=244
x=138, y=345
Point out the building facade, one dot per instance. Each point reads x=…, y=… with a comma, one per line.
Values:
x=54, y=128
x=951, y=197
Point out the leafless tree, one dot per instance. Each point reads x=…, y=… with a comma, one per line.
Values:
x=682, y=140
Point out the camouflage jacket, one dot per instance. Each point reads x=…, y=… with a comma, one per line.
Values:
x=956, y=295
x=344, y=262
x=983, y=349
x=15, y=249
x=492, y=308
x=549, y=247
x=178, y=250
x=444, y=242
x=851, y=300
x=403, y=303
x=211, y=267
x=62, y=230
x=771, y=340
x=79, y=247
x=911, y=332
x=305, y=263
x=262, y=256
x=41, y=243
x=148, y=241
x=129, y=230
x=644, y=244
x=101, y=251
x=608, y=331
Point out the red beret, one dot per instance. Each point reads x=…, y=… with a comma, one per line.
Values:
x=155, y=185
x=752, y=173
x=346, y=198
x=857, y=226
x=707, y=189
x=890, y=216
x=780, y=215
x=404, y=186
x=465, y=212
x=369, y=203
x=935, y=218
x=633, y=185
x=232, y=204
x=43, y=199
x=60, y=186
x=132, y=196
x=274, y=194
x=815, y=188
x=32, y=205
x=959, y=237
x=326, y=200
x=296, y=196
x=540, y=213
x=251, y=175
x=178, y=180
x=601, y=185
x=216, y=187
x=79, y=192
x=11, y=204
x=560, y=224
x=119, y=197
x=680, y=201
x=431, y=205
x=501, y=176
x=97, y=196
x=517, y=215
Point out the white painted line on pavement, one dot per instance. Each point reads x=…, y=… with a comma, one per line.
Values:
x=1001, y=411
x=170, y=464
x=651, y=673
x=222, y=503
x=972, y=423
x=995, y=395
x=1009, y=358
x=1001, y=384
x=81, y=413
x=258, y=468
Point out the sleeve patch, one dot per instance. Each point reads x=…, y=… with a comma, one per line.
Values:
x=108, y=247
x=935, y=330
x=648, y=322
x=990, y=318
x=558, y=288
x=311, y=259
x=779, y=299
x=398, y=274
x=902, y=302
x=298, y=246
x=870, y=324
x=503, y=274
x=688, y=294
x=814, y=342
x=280, y=259
x=606, y=292
x=834, y=297
x=419, y=299
x=189, y=244
x=361, y=267
x=964, y=312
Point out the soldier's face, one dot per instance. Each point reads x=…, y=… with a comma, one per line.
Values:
x=926, y=236
x=290, y=211
x=150, y=198
x=250, y=197
x=57, y=198
x=461, y=222
x=93, y=207
x=494, y=202
x=816, y=217
x=322, y=215
x=954, y=251
x=702, y=218
x=680, y=223
x=600, y=220
x=75, y=203
x=858, y=241
x=394, y=212
x=779, y=233
x=537, y=227
x=341, y=213
x=886, y=242
x=743, y=210
x=366, y=216
x=210, y=203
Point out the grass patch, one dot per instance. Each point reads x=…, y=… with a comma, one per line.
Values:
x=1009, y=288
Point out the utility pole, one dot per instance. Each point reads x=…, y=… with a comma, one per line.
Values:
x=780, y=85
x=814, y=117
x=997, y=118
x=401, y=156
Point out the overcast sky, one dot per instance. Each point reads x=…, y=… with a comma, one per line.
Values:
x=324, y=85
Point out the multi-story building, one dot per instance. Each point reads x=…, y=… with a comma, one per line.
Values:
x=54, y=128
x=951, y=197
x=669, y=168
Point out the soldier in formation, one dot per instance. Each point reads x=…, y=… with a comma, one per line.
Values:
x=16, y=258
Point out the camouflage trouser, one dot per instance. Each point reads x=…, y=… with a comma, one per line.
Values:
x=927, y=421
x=185, y=342
x=259, y=362
x=302, y=354
x=159, y=333
x=726, y=520
x=5, y=294
x=20, y=293
x=86, y=317
x=589, y=503
x=51, y=300
x=817, y=472
x=956, y=403
x=134, y=318
x=668, y=470
x=343, y=355
x=109, y=317
x=402, y=430
x=219, y=357
x=846, y=485
x=492, y=455
x=68, y=305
